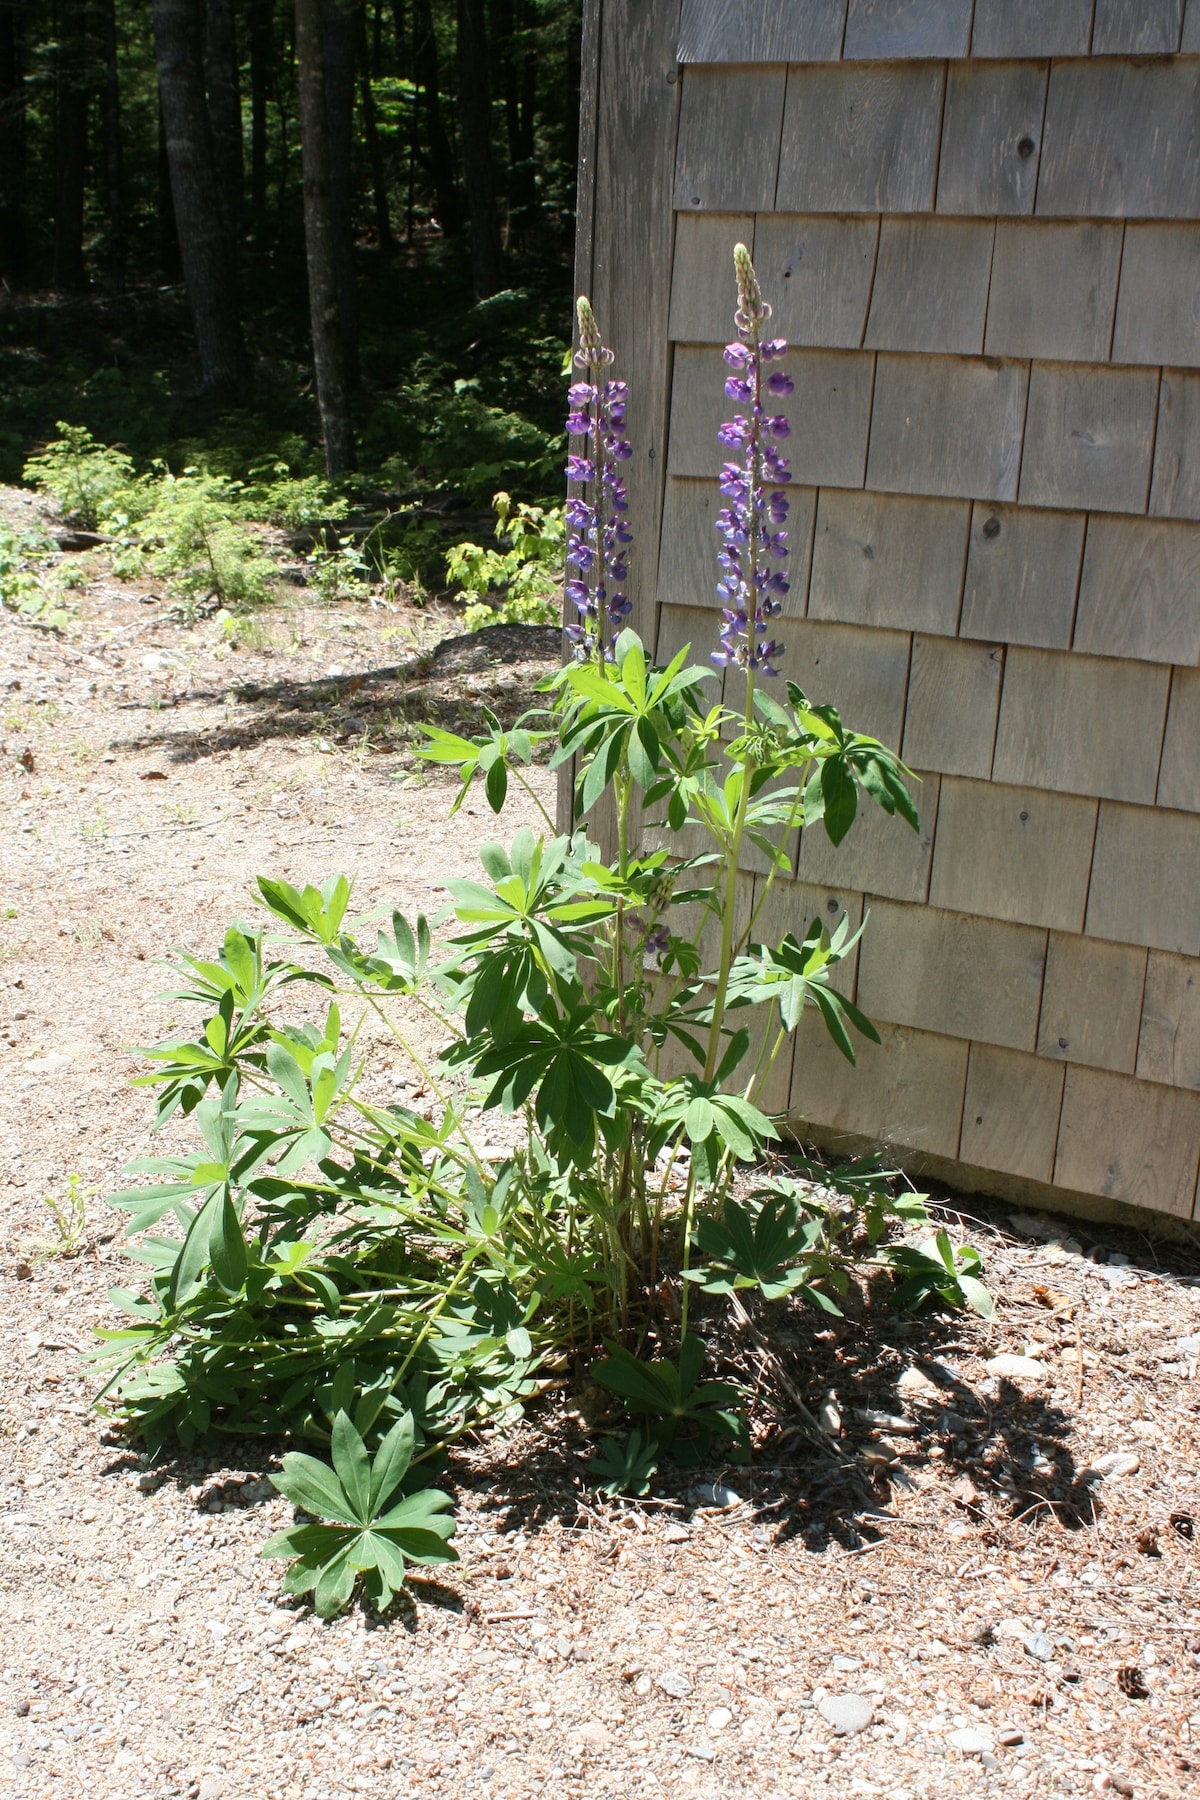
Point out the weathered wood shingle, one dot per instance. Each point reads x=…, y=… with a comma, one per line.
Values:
x=953, y=698
x=1169, y=1045
x=931, y=285
x=1092, y=1002
x=1053, y=290
x=1081, y=724
x=885, y=28
x=1088, y=437
x=1011, y=1112
x=860, y=138
x=703, y=287
x=1011, y=28
x=1129, y=1140
x=728, y=139
x=1122, y=140
x=953, y=974
x=1022, y=575
x=1146, y=878
x=947, y=425
x=1139, y=594
x=882, y=559
x=1013, y=853
x=818, y=271
x=1175, y=485
x=725, y=31
x=1179, y=777
x=992, y=138
x=1136, y=27
x=1158, y=308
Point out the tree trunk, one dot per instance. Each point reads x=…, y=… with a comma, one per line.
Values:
x=168, y=234
x=427, y=76
x=339, y=37
x=114, y=160
x=383, y=223
x=14, y=236
x=475, y=124
x=261, y=24
x=221, y=70
x=70, y=145
x=205, y=248
x=321, y=241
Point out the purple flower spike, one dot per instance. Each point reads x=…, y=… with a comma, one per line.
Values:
x=597, y=529
x=751, y=591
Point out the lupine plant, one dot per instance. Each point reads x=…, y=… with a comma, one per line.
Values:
x=339, y=1257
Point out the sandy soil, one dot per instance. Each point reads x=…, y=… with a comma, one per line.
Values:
x=1011, y=1610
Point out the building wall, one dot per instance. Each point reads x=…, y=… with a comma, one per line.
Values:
x=978, y=223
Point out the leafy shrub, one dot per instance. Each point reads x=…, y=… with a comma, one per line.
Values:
x=525, y=573
x=25, y=586
x=86, y=478
x=190, y=529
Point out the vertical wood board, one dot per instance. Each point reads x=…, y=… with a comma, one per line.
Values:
x=860, y=138
x=1088, y=437
x=906, y=1091
x=863, y=673
x=1191, y=28
x=1053, y=290
x=931, y=285
x=1175, y=483
x=703, y=286
x=1022, y=576
x=1129, y=1140
x=1146, y=878
x=817, y=273
x=1013, y=853
x=1137, y=27
x=1010, y=1112
x=893, y=28
x=947, y=425
x=1158, y=307
x=718, y=31
x=729, y=139
x=953, y=698
x=1008, y=28
x=1122, y=140
x=885, y=559
x=1081, y=724
x=1179, y=777
x=991, y=138
x=1092, y=1002
x=1169, y=1046
x=945, y=972
x=1139, y=594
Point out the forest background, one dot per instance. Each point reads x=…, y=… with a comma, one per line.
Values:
x=321, y=250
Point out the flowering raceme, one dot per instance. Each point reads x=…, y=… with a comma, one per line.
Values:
x=597, y=525
x=751, y=588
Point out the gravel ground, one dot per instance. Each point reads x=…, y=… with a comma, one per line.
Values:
x=990, y=1584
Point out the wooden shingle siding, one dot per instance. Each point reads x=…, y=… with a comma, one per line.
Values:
x=1158, y=308
x=1129, y=1140
x=1081, y=724
x=991, y=140
x=1053, y=290
x=907, y=1090
x=887, y=28
x=1169, y=1046
x=721, y=31
x=1136, y=27
x=1179, y=777
x=931, y=285
x=728, y=133
x=883, y=559
x=688, y=572
x=1175, y=484
x=1139, y=593
x=1191, y=27
x=959, y=976
x=1088, y=437
x=1092, y=1003
x=947, y=425
x=1008, y=28
x=860, y=138
x=880, y=856
x=1022, y=576
x=1013, y=853
x=818, y=271
x=953, y=697
x=1122, y=140
x=863, y=673
x=1011, y=1112
x=701, y=304
x=793, y=905
x=1146, y=878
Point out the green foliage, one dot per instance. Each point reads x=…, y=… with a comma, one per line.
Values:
x=525, y=574
x=364, y=1537
x=86, y=479
x=625, y=1465
x=688, y=1414
x=26, y=586
x=190, y=529
x=937, y=1267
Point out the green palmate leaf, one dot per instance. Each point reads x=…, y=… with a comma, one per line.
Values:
x=227, y=1246
x=353, y=1466
x=625, y=1465
x=314, y=1486
x=391, y=1463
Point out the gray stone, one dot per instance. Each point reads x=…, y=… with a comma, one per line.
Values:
x=211, y=1788
x=1038, y=1645
x=1011, y=1735
x=675, y=1683
x=1112, y=1465
x=971, y=1743
x=846, y=1663
x=846, y=1714
x=702, y=1750
x=1016, y=1368
x=714, y=1496
x=989, y=1761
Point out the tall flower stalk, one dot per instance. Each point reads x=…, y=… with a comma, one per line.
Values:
x=598, y=505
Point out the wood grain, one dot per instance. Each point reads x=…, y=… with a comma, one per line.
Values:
x=818, y=271
x=1137, y=27
x=1138, y=594
x=718, y=31
x=885, y=559
x=1169, y=1046
x=1191, y=28
x=1088, y=437
x=1158, y=308
x=1022, y=576
x=895, y=28
x=882, y=855
x=991, y=138
x=860, y=138
x=703, y=287
x=931, y=285
x=947, y=425
x=1013, y=853
x=1051, y=735
x=1011, y=1112
x=1145, y=878
x=1053, y=290
x=949, y=973
x=1179, y=778
x=863, y=673
x=1175, y=484
x=906, y=1091
x=687, y=568
x=1092, y=1002
x=728, y=139
x=953, y=697
x=829, y=413
x=1129, y=1140
x=1122, y=140
x=1007, y=28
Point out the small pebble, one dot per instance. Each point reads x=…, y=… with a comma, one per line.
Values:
x=971, y=1743
x=714, y=1496
x=846, y=1714
x=675, y=1683
x=1112, y=1466
x=702, y=1750
x=719, y=1718
x=676, y=1534
x=1016, y=1368
x=1038, y=1645
x=1009, y=1736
